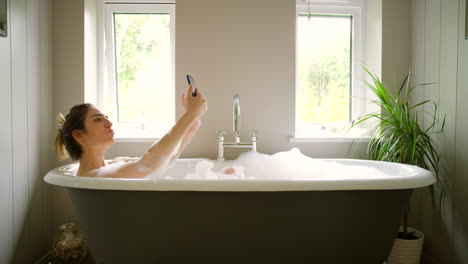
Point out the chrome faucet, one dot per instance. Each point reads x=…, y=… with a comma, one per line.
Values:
x=236, y=127
x=236, y=117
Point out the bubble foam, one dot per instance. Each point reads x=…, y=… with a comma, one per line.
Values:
x=279, y=166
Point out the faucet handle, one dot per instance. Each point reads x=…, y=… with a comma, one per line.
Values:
x=253, y=133
x=220, y=132
x=253, y=138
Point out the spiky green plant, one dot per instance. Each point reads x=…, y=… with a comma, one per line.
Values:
x=396, y=135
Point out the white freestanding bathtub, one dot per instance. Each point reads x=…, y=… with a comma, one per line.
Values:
x=317, y=220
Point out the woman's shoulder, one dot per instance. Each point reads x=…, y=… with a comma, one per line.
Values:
x=109, y=168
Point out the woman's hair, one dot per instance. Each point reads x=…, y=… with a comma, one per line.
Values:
x=65, y=145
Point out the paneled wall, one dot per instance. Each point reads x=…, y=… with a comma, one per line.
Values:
x=6, y=176
x=26, y=152
x=440, y=56
x=460, y=204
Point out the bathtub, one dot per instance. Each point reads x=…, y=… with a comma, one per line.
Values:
x=316, y=220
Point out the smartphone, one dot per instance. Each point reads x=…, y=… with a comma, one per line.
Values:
x=191, y=81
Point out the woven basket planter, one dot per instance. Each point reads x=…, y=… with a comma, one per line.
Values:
x=405, y=251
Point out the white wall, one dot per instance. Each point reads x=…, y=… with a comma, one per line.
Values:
x=26, y=135
x=440, y=55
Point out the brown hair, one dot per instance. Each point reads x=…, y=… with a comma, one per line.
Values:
x=65, y=145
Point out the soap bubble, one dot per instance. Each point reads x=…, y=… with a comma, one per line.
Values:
x=109, y=169
x=252, y=165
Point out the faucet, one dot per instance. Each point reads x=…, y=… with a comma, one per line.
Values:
x=236, y=127
x=236, y=117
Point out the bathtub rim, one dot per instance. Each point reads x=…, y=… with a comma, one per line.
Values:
x=422, y=179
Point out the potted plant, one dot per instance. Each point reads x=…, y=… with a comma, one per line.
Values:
x=396, y=136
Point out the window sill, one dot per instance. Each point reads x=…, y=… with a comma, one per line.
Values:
x=328, y=139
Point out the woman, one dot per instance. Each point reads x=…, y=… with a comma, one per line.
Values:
x=86, y=133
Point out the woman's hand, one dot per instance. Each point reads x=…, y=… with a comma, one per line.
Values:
x=197, y=105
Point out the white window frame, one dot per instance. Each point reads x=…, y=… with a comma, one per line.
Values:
x=355, y=8
x=106, y=65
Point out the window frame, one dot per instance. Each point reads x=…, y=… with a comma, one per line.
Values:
x=355, y=8
x=107, y=66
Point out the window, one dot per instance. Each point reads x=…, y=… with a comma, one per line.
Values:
x=329, y=93
x=138, y=90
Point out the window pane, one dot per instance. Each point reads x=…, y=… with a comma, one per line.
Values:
x=324, y=69
x=143, y=60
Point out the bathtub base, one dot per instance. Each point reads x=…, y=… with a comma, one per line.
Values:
x=240, y=227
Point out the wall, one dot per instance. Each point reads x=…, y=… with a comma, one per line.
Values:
x=441, y=54
x=252, y=55
x=232, y=49
x=374, y=36
x=69, y=79
x=68, y=57
x=26, y=134
x=460, y=197
x=6, y=186
x=395, y=40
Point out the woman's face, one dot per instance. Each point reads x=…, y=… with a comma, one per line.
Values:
x=98, y=129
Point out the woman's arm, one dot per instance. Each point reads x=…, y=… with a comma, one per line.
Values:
x=185, y=141
x=188, y=137
x=160, y=154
